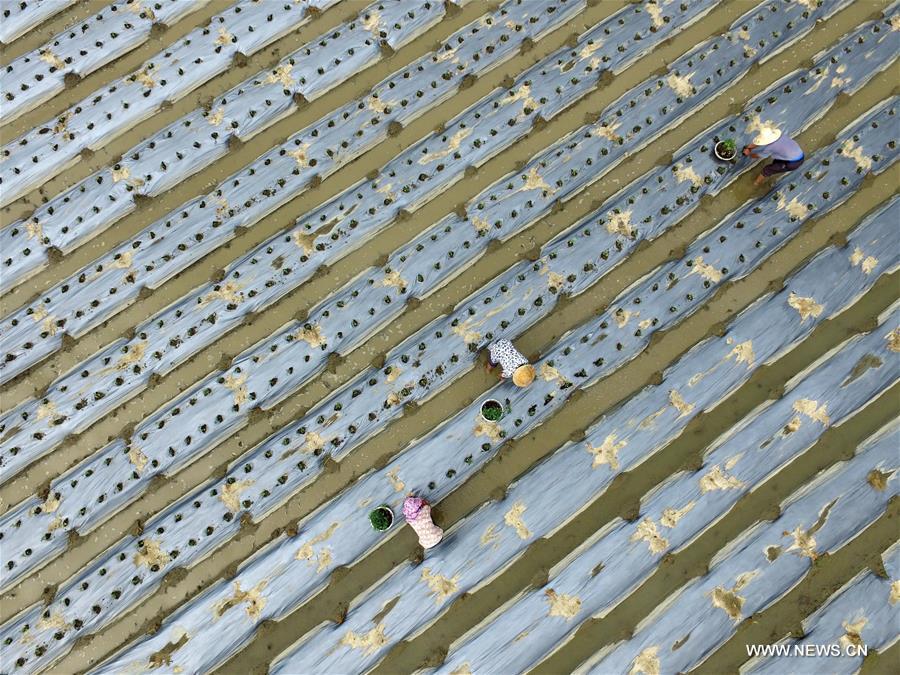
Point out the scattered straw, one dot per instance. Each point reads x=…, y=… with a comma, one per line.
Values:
x=814, y=411
x=252, y=598
x=648, y=532
x=670, y=516
x=681, y=84
x=513, y=518
x=607, y=452
x=807, y=307
x=646, y=663
x=563, y=606
x=728, y=599
x=716, y=479
x=677, y=402
x=854, y=152
x=151, y=554
x=231, y=492
x=368, y=643
x=708, y=272
x=439, y=585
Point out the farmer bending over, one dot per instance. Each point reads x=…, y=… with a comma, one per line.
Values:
x=513, y=363
x=785, y=153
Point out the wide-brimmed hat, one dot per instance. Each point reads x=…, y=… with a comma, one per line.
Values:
x=523, y=375
x=767, y=135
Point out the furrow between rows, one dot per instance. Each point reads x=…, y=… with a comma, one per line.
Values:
x=104, y=471
x=21, y=17
x=482, y=545
x=208, y=133
x=577, y=361
x=135, y=376
x=674, y=513
x=405, y=184
x=621, y=499
x=764, y=562
x=39, y=75
x=244, y=28
x=151, y=447
x=860, y=614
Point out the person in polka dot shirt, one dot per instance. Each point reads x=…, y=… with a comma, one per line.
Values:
x=513, y=364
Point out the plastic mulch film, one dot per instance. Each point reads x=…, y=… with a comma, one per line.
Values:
x=265, y=373
x=262, y=276
x=221, y=403
x=37, y=76
x=290, y=569
x=768, y=560
x=90, y=294
x=862, y=612
x=482, y=545
x=245, y=28
x=625, y=438
x=181, y=237
x=199, y=138
x=19, y=17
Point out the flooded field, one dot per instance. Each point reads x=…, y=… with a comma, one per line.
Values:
x=251, y=257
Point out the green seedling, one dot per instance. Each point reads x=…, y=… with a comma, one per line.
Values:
x=492, y=411
x=381, y=518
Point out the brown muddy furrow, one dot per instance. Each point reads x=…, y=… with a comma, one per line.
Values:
x=43, y=32
x=563, y=318
x=580, y=411
x=489, y=483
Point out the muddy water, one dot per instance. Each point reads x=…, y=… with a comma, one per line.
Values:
x=511, y=462
x=561, y=320
x=285, y=216
x=837, y=444
x=115, y=146
x=245, y=336
x=117, y=69
x=881, y=663
x=620, y=499
x=829, y=573
x=347, y=268
x=42, y=33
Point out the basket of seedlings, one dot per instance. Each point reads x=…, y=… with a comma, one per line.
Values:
x=725, y=150
x=491, y=410
x=381, y=518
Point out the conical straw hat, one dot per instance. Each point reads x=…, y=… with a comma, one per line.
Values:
x=767, y=135
x=523, y=375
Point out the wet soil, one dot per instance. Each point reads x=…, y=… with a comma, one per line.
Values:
x=619, y=499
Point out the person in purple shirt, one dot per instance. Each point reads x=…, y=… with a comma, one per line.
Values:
x=786, y=154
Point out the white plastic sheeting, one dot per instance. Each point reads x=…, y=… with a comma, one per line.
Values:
x=483, y=544
x=291, y=569
x=277, y=366
x=860, y=617
x=625, y=438
x=20, y=16
x=262, y=276
x=245, y=28
x=181, y=237
x=199, y=138
x=269, y=371
x=766, y=561
x=37, y=76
